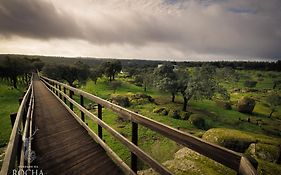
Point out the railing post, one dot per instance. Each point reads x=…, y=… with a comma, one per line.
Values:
x=134, y=158
x=60, y=91
x=82, y=104
x=71, y=96
x=100, y=117
x=13, y=117
x=64, y=91
x=56, y=85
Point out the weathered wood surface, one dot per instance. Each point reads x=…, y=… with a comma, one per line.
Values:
x=222, y=155
x=61, y=144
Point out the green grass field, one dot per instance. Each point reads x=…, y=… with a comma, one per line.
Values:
x=8, y=104
x=159, y=147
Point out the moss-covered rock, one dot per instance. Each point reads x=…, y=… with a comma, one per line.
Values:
x=197, y=120
x=229, y=138
x=140, y=99
x=174, y=114
x=188, y=162
x=224, y=104
x=158, y=110
x=246, y=105
x=266, y=152
x=120, y=100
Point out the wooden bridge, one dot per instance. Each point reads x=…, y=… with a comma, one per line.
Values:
x=49, y=136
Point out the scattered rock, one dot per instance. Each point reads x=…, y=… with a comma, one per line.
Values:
x=197, y=120
x=229, y=138
x=174, y=114
x=246, y=105
x=120, y=100
x=266, y=152
x=224, y=104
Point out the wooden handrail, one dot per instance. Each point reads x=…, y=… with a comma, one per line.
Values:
x=12, y=149
x=227, y=157
x=132, y=147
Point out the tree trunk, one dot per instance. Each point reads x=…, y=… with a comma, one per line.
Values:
x=185, y=100
x=144, y=88
x=110, y=78
x=274, y=86
x=173, y=97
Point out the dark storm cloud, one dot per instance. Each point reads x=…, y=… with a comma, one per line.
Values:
x=35, y=18
x=242, y=28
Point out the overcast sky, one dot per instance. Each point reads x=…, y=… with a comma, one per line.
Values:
x=147, y=29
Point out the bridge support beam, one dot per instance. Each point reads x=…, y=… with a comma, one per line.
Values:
x=134, y=158
x=60, y=91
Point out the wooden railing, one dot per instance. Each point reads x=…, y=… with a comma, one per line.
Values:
x=17, y=155
x=227, y=157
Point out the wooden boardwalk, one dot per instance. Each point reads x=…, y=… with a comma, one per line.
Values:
x=64, y=144
x=61, y=144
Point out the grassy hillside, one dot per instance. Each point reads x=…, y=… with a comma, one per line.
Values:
x=8, y=104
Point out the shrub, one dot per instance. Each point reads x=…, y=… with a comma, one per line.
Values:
x=250, y=83
x=224, y=104
x=120, y=100
x=197, y=120
x=185, y=115
x=174, y=114
x=246, y=105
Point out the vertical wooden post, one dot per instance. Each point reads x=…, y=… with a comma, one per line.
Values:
x=60, y=91
x=71, y=96
x=100, y=117
x=82, y=104
x=13, y=117
x=56, y=89
x=134, y=158
x=64, y=91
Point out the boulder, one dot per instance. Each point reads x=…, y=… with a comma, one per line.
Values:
x=197, y=120
x=174, y=114
x=120, y=100
x=229, y=138
x=246, y=105
x=266, y=152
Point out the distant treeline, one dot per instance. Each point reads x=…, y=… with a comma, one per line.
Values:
x=138, y=63
x=14, y=69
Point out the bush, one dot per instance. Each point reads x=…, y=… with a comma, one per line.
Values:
x=174, y=114
x=197, y=120
x=250, y=83
x=185, y=115
x=224, y=104
x=246, y=105
x=120, y=100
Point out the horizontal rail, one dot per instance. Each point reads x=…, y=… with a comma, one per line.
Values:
x=220, y=154
x=12, y=149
